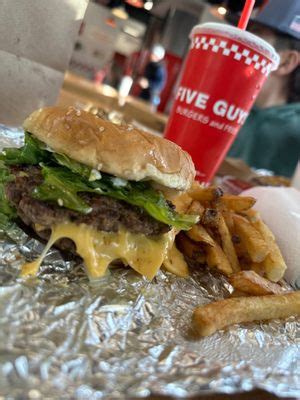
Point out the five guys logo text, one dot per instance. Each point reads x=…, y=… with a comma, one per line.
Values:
x=220, y=108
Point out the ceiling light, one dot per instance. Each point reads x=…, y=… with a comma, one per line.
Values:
x=222, y=10
x=120, y=12
x=135, y=3
x=148, y=5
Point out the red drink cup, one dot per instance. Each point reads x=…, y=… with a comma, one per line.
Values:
x=223, y=74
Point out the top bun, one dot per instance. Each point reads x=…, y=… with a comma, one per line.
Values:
x=123, y=151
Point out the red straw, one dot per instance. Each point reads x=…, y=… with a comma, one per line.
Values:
x=243, y=22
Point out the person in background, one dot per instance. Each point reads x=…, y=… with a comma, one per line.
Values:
x=154, y=77
x=270, y=138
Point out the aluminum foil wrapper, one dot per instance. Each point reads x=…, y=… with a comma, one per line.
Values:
x=62, y=336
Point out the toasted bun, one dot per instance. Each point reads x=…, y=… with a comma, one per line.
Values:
x=125, y=152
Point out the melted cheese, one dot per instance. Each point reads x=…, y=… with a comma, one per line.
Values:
x=98, y=249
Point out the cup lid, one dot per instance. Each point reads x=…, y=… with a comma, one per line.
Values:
x=245, y=37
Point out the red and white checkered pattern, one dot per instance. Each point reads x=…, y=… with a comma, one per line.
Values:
x=236, y=51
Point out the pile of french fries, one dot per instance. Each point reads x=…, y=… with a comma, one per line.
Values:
x=232, y=238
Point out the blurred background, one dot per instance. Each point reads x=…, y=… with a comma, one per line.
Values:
x=124, y=59
x=129, y=54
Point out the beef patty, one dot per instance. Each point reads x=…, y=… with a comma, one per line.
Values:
x=107, y=214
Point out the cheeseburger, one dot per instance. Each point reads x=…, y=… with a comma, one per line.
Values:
x=95, y=188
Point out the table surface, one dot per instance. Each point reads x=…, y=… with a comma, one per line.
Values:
x=79, y=90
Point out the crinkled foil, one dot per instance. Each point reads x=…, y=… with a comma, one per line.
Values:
x=122, y=337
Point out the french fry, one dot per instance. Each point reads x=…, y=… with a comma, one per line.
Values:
x=258, y=268
x=216, y=258
x=252, y=283
x=196, y=208
x=242, y=254
x=227, y=245
x=205, y=194
x=236, y=240
x=210, y=218
x=231, y=232
x=251, y=215
x=199, y=234
x=237, y=203
x=175, y=263
x=252, y=240
x=238, y=293
x=215, y=255
x=228, y=217
x=191, y=249
x=274, y=264
x=209, y=318
x=181, y=202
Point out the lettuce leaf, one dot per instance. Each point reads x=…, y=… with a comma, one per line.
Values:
x=7, y=213
x=74, y=166
x=64, y=179
x=10, y=229
x=141, y=194
x=5, y=177
x=32, y=153
x=62, y=186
